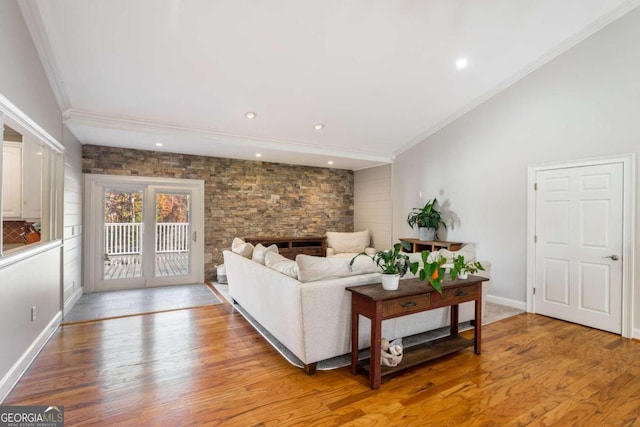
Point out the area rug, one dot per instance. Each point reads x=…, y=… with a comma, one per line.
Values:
x=105, y=305
x=493, y=313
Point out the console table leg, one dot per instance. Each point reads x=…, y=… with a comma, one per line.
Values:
x=454, y=320
x=355, y=318
x=375, y=369
x=478, y=325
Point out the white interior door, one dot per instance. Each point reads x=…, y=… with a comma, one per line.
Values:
x=144, y=232
x=579, y=245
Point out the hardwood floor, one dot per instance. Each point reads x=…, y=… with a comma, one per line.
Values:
x=208, y=366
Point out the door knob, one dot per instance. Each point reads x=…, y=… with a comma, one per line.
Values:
x=613, y=257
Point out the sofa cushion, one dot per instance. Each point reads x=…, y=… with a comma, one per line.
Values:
x=259, y=252
x=281, y=264
x=348, y=242
x=312, y=269
x=241, y=247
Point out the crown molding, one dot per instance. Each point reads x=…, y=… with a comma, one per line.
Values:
x=73, y=117
x=597, y=25
x=33, y=19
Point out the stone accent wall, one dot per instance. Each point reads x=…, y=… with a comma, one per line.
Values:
x=243, y=198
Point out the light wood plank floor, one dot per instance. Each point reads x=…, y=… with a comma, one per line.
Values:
x=207, y=366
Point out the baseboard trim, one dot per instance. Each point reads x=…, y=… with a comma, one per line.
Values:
x=19, y=368
x=636, y=334
x=508, y=302
x=73, y=299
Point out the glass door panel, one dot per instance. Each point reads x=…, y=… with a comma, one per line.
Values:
x=172, y=234
x=122, y=249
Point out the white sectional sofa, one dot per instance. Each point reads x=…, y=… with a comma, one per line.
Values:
x=312, y=319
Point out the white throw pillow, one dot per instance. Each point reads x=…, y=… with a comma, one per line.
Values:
x=260, y=251
x=241, y=247
x=313, y=268
x=468, y=251
x=363, y=265
x=354, y=242
x=281, y=264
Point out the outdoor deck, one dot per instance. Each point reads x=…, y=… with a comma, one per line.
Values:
x=128, y=266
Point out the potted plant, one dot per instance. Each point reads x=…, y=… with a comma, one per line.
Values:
x=461, y=268
x=433, y=269
x=428, y=219
x=393, y=263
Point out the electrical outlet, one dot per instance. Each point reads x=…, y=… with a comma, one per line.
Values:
x=33, y=313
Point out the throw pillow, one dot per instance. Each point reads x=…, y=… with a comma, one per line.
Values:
x=312, y=268
x=260, y=251
x=363, y=265
x=468, y=251
x=281, y=264
x=348, y=242
x=241, y=247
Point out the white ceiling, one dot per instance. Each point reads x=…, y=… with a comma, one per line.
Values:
x=379, y=74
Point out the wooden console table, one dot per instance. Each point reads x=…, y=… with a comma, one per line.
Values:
x=291, y=246
x=418, y=245
x=413, y=296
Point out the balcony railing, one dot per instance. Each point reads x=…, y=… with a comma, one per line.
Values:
x=126, y=238
x=172, y=237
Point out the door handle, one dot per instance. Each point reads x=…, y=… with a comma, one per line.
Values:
x=195, y=236
x=613, y=257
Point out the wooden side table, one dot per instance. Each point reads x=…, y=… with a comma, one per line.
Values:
x=413, y=296
x=418, y=245
x=291, y=246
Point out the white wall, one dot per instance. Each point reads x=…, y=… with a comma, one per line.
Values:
x=583, y=104
x=372, y=204
x=22, y=77
x=72, y=221
x=36, y=279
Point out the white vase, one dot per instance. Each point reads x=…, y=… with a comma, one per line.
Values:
x=463, y=275
x=426, y=234
x=390, y=282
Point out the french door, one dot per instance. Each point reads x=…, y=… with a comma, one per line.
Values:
x=143, y=232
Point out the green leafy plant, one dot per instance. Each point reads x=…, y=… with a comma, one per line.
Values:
x=392, y=261
x=461, y=266
x=427, y=216
x=433, y=269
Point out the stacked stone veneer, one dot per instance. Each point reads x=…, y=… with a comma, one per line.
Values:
x=243, y=198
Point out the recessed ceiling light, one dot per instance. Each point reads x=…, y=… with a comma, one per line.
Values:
x=319, y=126
x=250, y=115
x=330, y=162
x=258, y=155
x=461, y=63
x=158, y=144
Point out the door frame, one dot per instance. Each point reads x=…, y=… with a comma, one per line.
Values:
x=92, y=184
x=628, y=162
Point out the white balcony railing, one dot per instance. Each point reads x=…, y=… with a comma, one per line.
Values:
x=172, y=237
x=126, y=238
x=122, y=238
